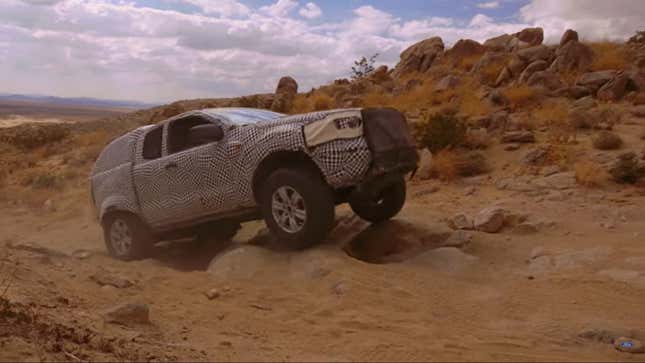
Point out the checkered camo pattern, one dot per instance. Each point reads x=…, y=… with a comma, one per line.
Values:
x=218, y=177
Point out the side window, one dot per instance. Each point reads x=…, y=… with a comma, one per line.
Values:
x=178, y=132
x=152, y=144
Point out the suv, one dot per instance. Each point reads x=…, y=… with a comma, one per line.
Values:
x=204, y=172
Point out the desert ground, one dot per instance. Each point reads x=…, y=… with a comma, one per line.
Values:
x=522, y=240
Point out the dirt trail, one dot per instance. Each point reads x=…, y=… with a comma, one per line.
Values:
x=505, y=296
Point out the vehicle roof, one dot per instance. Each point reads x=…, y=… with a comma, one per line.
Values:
x=243, y=116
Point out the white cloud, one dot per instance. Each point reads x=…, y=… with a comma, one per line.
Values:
x=310, y=11
x=489, y=5
x=280, y=8
x=118, y=49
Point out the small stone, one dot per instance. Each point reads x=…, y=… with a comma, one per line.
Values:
x=629, y=345
x=470, y=190
x=525, y=228
x=518, y=137
x=128, y=314
x=212, y=294
x=458, y=239
x=512, y=147
x=103, y=277
x=462, y=221
x=81, y=254
x=537, y=252
x=49, y=206
x=340, y=288
x=550, y=170
x=490, y=220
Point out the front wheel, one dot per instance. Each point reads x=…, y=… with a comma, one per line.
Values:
x=382, y=204
x=126, y=237
x=298, y=207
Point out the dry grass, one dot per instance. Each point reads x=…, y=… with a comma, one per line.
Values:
x=555, y=116
x=609, y=55
x=607, y=141
x=491, y=71
x=466, y=63
x=589, y=174
x=301, y=104
x=322, y=102
x=477, y=139
x=445, y=165
x=520, y=96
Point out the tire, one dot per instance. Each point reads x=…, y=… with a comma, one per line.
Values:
x=285, y=195
x=387, y=204
x=126, y=237
x=220, y=232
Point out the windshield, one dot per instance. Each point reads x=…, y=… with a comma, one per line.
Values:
x=243, y=116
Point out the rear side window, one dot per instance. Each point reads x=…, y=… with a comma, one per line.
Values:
x=152, y=144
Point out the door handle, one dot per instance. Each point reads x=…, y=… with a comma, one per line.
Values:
x=171, y=165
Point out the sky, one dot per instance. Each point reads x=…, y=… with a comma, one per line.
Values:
x=166, y=50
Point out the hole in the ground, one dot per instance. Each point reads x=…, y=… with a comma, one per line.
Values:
x=394, y=241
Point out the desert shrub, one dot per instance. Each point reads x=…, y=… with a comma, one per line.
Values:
x=606, y=140
x=471, y=163
x=627, y=169
x=471, y=104
x=555, y=117
x=43, y=180
x=322, y=102
x=609, y=55
x=301, y=104
x=444, y=165
x=609, y=114
x=489, y=72
x=363, y=67
x=520, y=95
x=589, y=174
x=250, y=101
x=477, y=139
x=451, y=164
x=378, y=99
x=31, y=136
x=440, y=131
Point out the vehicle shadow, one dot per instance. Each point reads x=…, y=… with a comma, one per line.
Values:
x=189, y=255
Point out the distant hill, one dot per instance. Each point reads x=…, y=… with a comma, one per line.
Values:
x=75, y=101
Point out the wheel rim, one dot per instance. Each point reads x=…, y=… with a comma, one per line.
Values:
x=120, y=237
x=289, y=209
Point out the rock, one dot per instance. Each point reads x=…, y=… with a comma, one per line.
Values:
x=459, y=238
x=103, y=277
x=627, y=168
x=503, y=42
x=518, y=137
x=465, y=48
x=629, y=345
x=600, y=335
x=535, y=156
x=462, y=221
x=419, y=57
x=212, y=294
x=504, y=75
x=49, y=206
x=516, y=65
x=585, y=103
x=615, y=89
x=246, y=262
x=538, y=65
x=284, y=94
x=546, y=79
x=550, y=170
x=425, y=165
x=532, y=36
x=578, y=92
x=572, y=56
x=447, y=83
x=487, y=60
x=496, y=98
x=512, y=147
x=595, y=80
x=81, y=254
x=569, y=35
x=638, y=111
x=340, y=288
x=560, y=181
x=379, y=74
x=445, y=259
x=568, y=260
x=532, y=54
x=128, y=314
x=490, y=220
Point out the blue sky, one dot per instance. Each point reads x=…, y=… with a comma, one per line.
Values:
x=164, y=50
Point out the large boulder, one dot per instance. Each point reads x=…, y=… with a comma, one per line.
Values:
x=419, y=57
x=466, y=48
x=539, y=52
x=502, y=43
x=284, y=94
x=595, y=80
x=615, y=89
x=448, y=82
x=532, y=36
x=538, y=65
x=569, y=35
x=490, y=220
x=572, y=56
x=545, y=79
x=516, y=65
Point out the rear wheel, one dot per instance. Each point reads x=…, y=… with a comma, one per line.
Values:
x=382, y=204
x=298, y=207
x=126, y=237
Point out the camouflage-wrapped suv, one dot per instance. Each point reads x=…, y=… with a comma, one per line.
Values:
x=204, y=172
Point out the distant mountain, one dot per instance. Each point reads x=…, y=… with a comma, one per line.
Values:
x=76, y=101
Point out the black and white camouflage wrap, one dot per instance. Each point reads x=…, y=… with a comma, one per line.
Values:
x=217, y=177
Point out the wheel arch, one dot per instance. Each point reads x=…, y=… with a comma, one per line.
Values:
x=282, y=159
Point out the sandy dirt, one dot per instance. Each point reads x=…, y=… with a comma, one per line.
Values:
x=554, y=294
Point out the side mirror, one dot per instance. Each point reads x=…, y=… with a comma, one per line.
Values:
x=204, y=134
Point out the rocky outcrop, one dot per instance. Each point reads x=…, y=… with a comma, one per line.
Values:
x=538, y=65
x=545, y=79
x=572, y=56
x=532, y=54
x=594, y=80
x=532, y=36
x=569, y=35
x=466, y=48
x=502, y=43
x=446, y=83
x=615, y=89
x=419, y=57
x=284, y=94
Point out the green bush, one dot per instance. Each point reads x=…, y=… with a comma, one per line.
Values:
x=440, y=131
